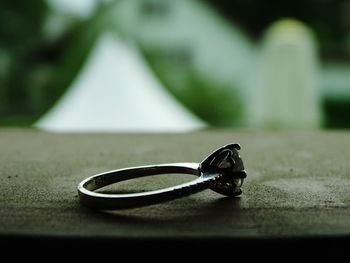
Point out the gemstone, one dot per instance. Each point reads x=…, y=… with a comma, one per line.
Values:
x=226, y=162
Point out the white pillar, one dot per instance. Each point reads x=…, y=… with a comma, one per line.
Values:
x=287, y=92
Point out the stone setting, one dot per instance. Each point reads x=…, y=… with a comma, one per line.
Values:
x=227, y=162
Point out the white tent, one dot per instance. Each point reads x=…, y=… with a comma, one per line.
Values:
x=116, y=91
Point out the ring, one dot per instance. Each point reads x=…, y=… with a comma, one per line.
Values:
x=222, y=171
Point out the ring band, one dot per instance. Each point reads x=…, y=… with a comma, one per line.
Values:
x=222, y=171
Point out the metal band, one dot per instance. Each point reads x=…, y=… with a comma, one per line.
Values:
x=117, y=201
x=222, y=171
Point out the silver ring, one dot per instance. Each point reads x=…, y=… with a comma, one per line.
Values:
x=222, y=171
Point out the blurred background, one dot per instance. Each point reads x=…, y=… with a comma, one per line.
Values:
x=162, y=65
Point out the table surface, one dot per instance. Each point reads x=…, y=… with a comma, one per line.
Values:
x=297, y=186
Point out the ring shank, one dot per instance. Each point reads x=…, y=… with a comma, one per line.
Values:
x=117, y=201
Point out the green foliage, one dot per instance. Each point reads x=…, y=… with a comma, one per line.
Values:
x=35, y=72
x=21, y=43
x=216, y=103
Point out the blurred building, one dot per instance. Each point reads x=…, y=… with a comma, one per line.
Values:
x=202, y=61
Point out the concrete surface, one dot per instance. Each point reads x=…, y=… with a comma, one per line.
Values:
x=297, y=186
